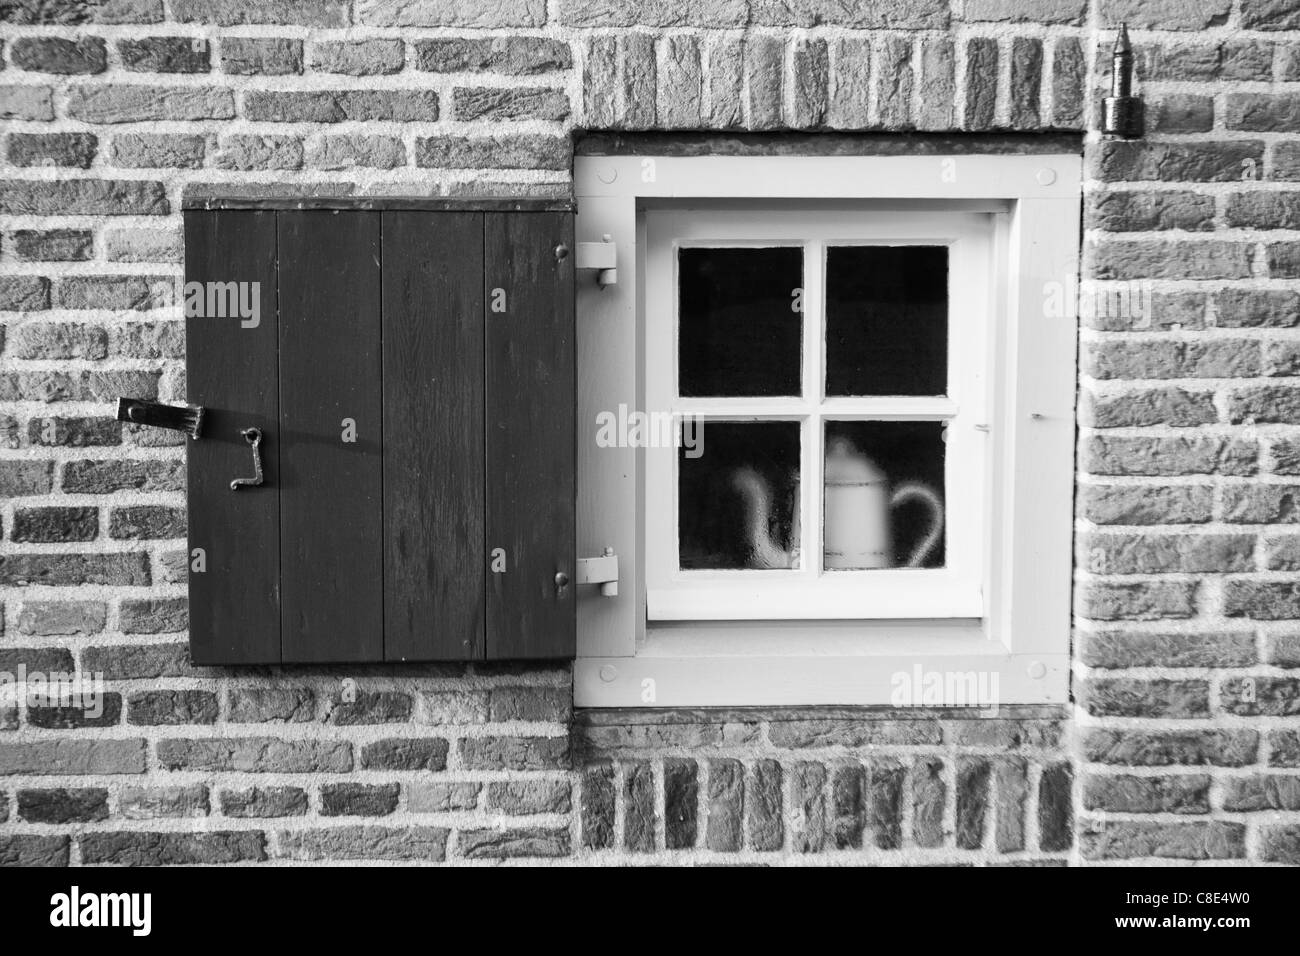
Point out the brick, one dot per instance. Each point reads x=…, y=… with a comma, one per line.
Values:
x=1263, y=112
x=149, y=340
x=764, y=91
x=1261, y=504
x=681, y=804
x=55, y=524
x=440, y=708
x=25, y=849
x=798, y=734
x=164, y=54
x=348, y=152
x=255, y=755
x=1262, y=600
x=44, y=659
x=51, y=713
x=515, y=55
x=83, y=197
x=259, y=705
x=1262, y=792
x=150, y=803
x=51, y=149
x=306, y=13
x=65, y=13
x=158, y=150
x=139, y=848
x=598, y=807
x=1011, y=780
x=122, y=103
x=1140, y=649
x=1125, y=793
x=1261, y=696
x=358, y=57
x=929, y=794
x=139, y=661
x=153, y=616
x=143, y=245
x=451, y=13
x=24, y=293
x=405, y=753
x=115, y=292
x=763, y=809
x=42, y=54
x=937, y=84
x=1167, y=15
x=1129, y=211
x=681, y=90
x=981, y=83
x=1210, y=162
x=424, y=797
x=1283, y=748
x=725, y=78
x=523, y=797
x=1220, y=748
x=637, y=738
x=534, y=704
x=1139, y=601
x=1005, y=734
x=1159, y=259
x=427, y=844
x=1056, y=808
x=61, y=618
x=1026, y=82
x=251, y=152
x=76, y=386
x=512, y=844
x=1166, y=553
x=1104, y=455
x=895, y=82
x=974, y=775
x=1184, y=62
x=264, y=802
x=1177, y=407
x=514, y=753
x=260, y=56
x=1128, y=839
x=848, y=806
x=1137, y=697
x=1282, y=554
x=653, y=13
x=638, y=807
x=26, y=102
x=891, y=14
x=147, y=521
x=1284, y=650
x=63, y=806
x=1280, y=844
x=1146, y=504
x=336, y=106
x=1265, y=404
x=1180, y=113
x=52, y=245
x=726, y=802
x=502, y=103
x=169, y=707
x=369, y=707
x=69, y=757
x=358, y=799
x=75, y=568
x=1247, y=308
x=526, y=151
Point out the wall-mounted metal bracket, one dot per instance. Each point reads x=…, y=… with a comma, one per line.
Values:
x=1122, y=112
x=602, y=571
x=181, y=418
x=601, y=257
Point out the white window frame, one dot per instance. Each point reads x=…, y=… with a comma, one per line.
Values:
x=1021, y=637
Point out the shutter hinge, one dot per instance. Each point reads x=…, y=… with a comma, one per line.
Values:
x=181, y=418
x=601, y=257
x=602, y=571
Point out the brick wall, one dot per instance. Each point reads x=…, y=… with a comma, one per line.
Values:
x=1184, y=742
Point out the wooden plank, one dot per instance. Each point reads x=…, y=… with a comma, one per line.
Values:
x=530, y=401
x=433, y=414
x=331, y=488
x=384, y=203
x=231, y=371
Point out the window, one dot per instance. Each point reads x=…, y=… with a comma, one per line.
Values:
x=868, y=457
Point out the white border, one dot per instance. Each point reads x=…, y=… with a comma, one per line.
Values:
x=1024, y=641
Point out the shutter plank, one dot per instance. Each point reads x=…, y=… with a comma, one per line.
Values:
x=231, y=371
x=433, y=414
x=331, y=494
x=530, y=435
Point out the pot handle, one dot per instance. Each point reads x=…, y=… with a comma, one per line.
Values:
x=908, y=491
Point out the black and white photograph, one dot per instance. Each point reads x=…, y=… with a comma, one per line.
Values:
x=851, y=435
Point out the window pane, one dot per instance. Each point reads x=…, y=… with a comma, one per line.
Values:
x=886, y=320
x=739, y=328
x=738, y=499
x=884, y=503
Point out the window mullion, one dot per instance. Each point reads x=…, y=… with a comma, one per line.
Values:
x=814, y=390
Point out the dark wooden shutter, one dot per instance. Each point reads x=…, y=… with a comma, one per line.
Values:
x=387, y=321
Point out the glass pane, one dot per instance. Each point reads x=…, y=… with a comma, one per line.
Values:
x=739, y=321
x=886, y=320
x=884, y=502
x=738, y=498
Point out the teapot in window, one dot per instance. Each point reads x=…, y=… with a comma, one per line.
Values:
x=858, y=507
